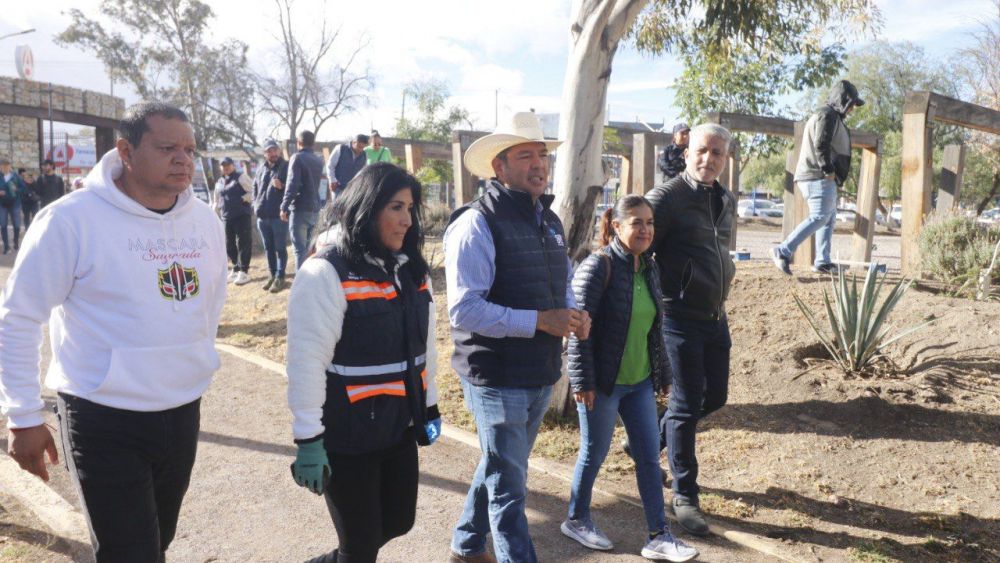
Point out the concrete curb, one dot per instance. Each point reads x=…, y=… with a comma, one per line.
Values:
x=556, y=469
x=61, y=517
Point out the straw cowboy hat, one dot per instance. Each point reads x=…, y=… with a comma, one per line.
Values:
x=523, y=127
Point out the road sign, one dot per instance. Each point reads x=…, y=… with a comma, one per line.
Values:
x=25, y=61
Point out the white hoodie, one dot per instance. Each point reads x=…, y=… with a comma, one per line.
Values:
x=132, y=298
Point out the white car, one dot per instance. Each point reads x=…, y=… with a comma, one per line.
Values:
x=989, y=217
x=757, y=208
x=896, y=215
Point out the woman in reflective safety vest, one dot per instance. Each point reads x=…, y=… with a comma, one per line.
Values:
x=361, y=363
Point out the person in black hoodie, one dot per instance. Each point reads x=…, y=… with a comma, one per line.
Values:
x=49, y=185
x=361, y=363
x=694, y=218
x=617, y=371
x=234, y=200
x=824, y=163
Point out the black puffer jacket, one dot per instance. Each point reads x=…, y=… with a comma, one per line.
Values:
x=692, y=247
x=594, y=363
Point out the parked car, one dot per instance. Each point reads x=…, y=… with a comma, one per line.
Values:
x=896, y=215
x=758, y=208
x=847, y=213
x=989, y=217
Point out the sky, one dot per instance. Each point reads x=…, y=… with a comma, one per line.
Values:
x=496, y=57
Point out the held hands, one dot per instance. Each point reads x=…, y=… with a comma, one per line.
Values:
x=28, y=447
x=562, y=322
x=585, y=397
x=311, y=468
x=284, y=216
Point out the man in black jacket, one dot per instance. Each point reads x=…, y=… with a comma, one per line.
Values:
x=694, y=218
x=50, y=186
x=671, y=161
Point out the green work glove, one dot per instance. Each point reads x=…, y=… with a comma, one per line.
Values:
x=311, y=468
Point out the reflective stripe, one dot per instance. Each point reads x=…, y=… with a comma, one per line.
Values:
x=357, y=392
x=382, y=369
x=356, y=290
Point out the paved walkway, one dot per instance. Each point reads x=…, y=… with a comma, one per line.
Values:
x=243, y=505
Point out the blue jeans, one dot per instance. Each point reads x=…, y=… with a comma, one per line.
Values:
x=11, y=215
x=821, y=195
x=301, y=225
x=698, y=352
x=507, y=420
x=274, y=234
x=637, y=406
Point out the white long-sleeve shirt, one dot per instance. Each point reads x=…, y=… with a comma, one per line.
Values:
x=316, y=308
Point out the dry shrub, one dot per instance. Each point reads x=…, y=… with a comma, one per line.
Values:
x=954, y=249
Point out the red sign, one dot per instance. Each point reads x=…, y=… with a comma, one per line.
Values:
x=62, y=155
x=25, y=62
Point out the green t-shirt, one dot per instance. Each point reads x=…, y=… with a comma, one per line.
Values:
x=635, y=359
x=381, y=155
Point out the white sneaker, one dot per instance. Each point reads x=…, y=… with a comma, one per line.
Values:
x=665, y=547
x=232, y=276
x=587, y=534
x=241, y=278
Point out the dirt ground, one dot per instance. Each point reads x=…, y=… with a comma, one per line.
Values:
x=23, y=537
x=904, y=468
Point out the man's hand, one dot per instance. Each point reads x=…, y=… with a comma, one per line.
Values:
x=558, y=322
x=582, y=331
x=28, y=447
x=585, y=397
x=284, y=216
x=276, y=184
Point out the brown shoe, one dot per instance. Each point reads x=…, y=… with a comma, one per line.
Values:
x=484, y=557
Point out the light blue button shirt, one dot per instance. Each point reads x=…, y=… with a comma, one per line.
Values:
x=469, y=258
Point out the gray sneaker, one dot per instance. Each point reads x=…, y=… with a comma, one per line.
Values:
x=780, y=261
x=587, y=534
x=689, y=517
x=829, y=268
x=665, y=547
x=270, y=282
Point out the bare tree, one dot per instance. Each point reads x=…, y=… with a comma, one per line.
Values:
x=310, y=84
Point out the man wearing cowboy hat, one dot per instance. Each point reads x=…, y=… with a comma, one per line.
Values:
x=510, y=305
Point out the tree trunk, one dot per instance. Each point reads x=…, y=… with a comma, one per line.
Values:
x=993, y=193
x=596, y=29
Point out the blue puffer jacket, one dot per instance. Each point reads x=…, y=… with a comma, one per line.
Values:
x=607, y=296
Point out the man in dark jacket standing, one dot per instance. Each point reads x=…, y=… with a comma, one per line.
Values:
x=50, y=186
x=300, y=205
x=346, y=160
x=268, y=190
x=510, y=305
x=234, y=201
x=694, y=218
x=671, y=160
x=823, y=166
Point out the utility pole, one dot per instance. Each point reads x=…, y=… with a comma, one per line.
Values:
x=496, y=108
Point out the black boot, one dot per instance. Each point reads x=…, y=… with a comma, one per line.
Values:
x=325, y=558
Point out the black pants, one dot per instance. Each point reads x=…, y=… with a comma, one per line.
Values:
x=239, y=242
x=29, y=209
x=132, y=470
x=372, y=499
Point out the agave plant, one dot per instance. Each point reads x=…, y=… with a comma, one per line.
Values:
x=858, y=320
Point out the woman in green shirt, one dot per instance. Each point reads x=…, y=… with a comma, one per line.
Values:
x=376, y=152
x=617, y=371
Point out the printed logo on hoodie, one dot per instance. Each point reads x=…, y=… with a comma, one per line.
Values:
x=177, y=283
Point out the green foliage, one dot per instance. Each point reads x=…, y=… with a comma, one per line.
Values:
x=766, y=173
x=857, y=333
x=159, y=47
x=433, y=120
x=954, y=249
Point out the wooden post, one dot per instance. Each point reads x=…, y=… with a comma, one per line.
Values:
x=916, y=179
x=952, y=166
x=730, y=178
x=414, y=158
x=864, y=221
x=465, y=182
x=643, y=163
x=805, y=255
x=625, y=181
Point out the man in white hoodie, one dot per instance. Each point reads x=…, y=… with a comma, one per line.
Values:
x=130, y=274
